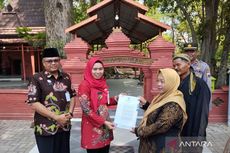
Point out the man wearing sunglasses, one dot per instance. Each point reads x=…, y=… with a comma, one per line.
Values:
x=52, y=97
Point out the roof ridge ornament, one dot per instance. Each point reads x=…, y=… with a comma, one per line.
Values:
x=116, y=29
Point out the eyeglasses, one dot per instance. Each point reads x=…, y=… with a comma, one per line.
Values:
x=50, y=61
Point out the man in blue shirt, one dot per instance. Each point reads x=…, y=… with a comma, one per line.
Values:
x=201, y=69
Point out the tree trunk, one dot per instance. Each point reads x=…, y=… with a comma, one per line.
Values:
x=57, y=18
x=173, y=30
x=208, y=46
x=222, y=76
x=222, y=73
x=188, y=19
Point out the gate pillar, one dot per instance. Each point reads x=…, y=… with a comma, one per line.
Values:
x=161, y=52
x=76, y=52
x=147, y=84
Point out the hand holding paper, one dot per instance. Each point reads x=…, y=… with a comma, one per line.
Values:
x=127, y=111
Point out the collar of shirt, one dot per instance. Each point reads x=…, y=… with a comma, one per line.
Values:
x=48, y=75
x=196, y=64
x=196, y=61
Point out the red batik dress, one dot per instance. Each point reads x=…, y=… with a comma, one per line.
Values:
x=94, y=134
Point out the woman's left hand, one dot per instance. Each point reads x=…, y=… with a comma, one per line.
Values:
x=121, y=94
x=116, y=98
x=110, y=125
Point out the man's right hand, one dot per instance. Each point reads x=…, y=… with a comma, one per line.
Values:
x=62, y=119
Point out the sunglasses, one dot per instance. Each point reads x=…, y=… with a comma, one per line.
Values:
x=50, y=61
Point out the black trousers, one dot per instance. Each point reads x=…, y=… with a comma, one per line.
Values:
x=99, y=150
x=58, y=143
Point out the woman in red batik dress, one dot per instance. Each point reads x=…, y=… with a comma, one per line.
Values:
x=96, y=126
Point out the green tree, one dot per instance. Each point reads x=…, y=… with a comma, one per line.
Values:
x=58, y=16
x=80, y=8
x=200, y=21
x=224, y=40
x=1, y=4
x=36, y=40
x=209, y=32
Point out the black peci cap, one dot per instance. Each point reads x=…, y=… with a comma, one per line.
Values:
x=50, y=52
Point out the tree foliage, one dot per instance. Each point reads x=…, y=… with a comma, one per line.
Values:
x=223, y=59
x=204, y=22
x=1, y=4
x=80, y=8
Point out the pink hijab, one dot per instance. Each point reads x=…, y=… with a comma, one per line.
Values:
x=98, y=87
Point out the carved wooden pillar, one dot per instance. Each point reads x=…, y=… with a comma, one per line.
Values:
x=32, y=60
x=4, y=63
x=23, y=63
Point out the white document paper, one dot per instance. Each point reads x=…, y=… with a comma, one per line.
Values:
x=126, y=112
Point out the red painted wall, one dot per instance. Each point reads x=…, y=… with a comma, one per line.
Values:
x=13, y=104
x=219, y=110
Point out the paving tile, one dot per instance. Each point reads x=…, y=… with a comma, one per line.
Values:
x=18, y=137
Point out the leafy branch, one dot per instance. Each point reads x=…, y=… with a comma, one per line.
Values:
x=36, y=40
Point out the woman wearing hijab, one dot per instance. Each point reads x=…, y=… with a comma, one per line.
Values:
x=164, y=117
x=96, y=126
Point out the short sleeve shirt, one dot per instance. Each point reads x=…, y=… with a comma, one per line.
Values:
x=202, y=71
x=54, y=94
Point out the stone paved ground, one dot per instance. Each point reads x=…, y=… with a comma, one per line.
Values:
x=17, y=137
x=218, y=134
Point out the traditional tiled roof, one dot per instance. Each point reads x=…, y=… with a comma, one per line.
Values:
x=24, y=13
x=9, y=35
x=29, y=13
x=12, y=31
